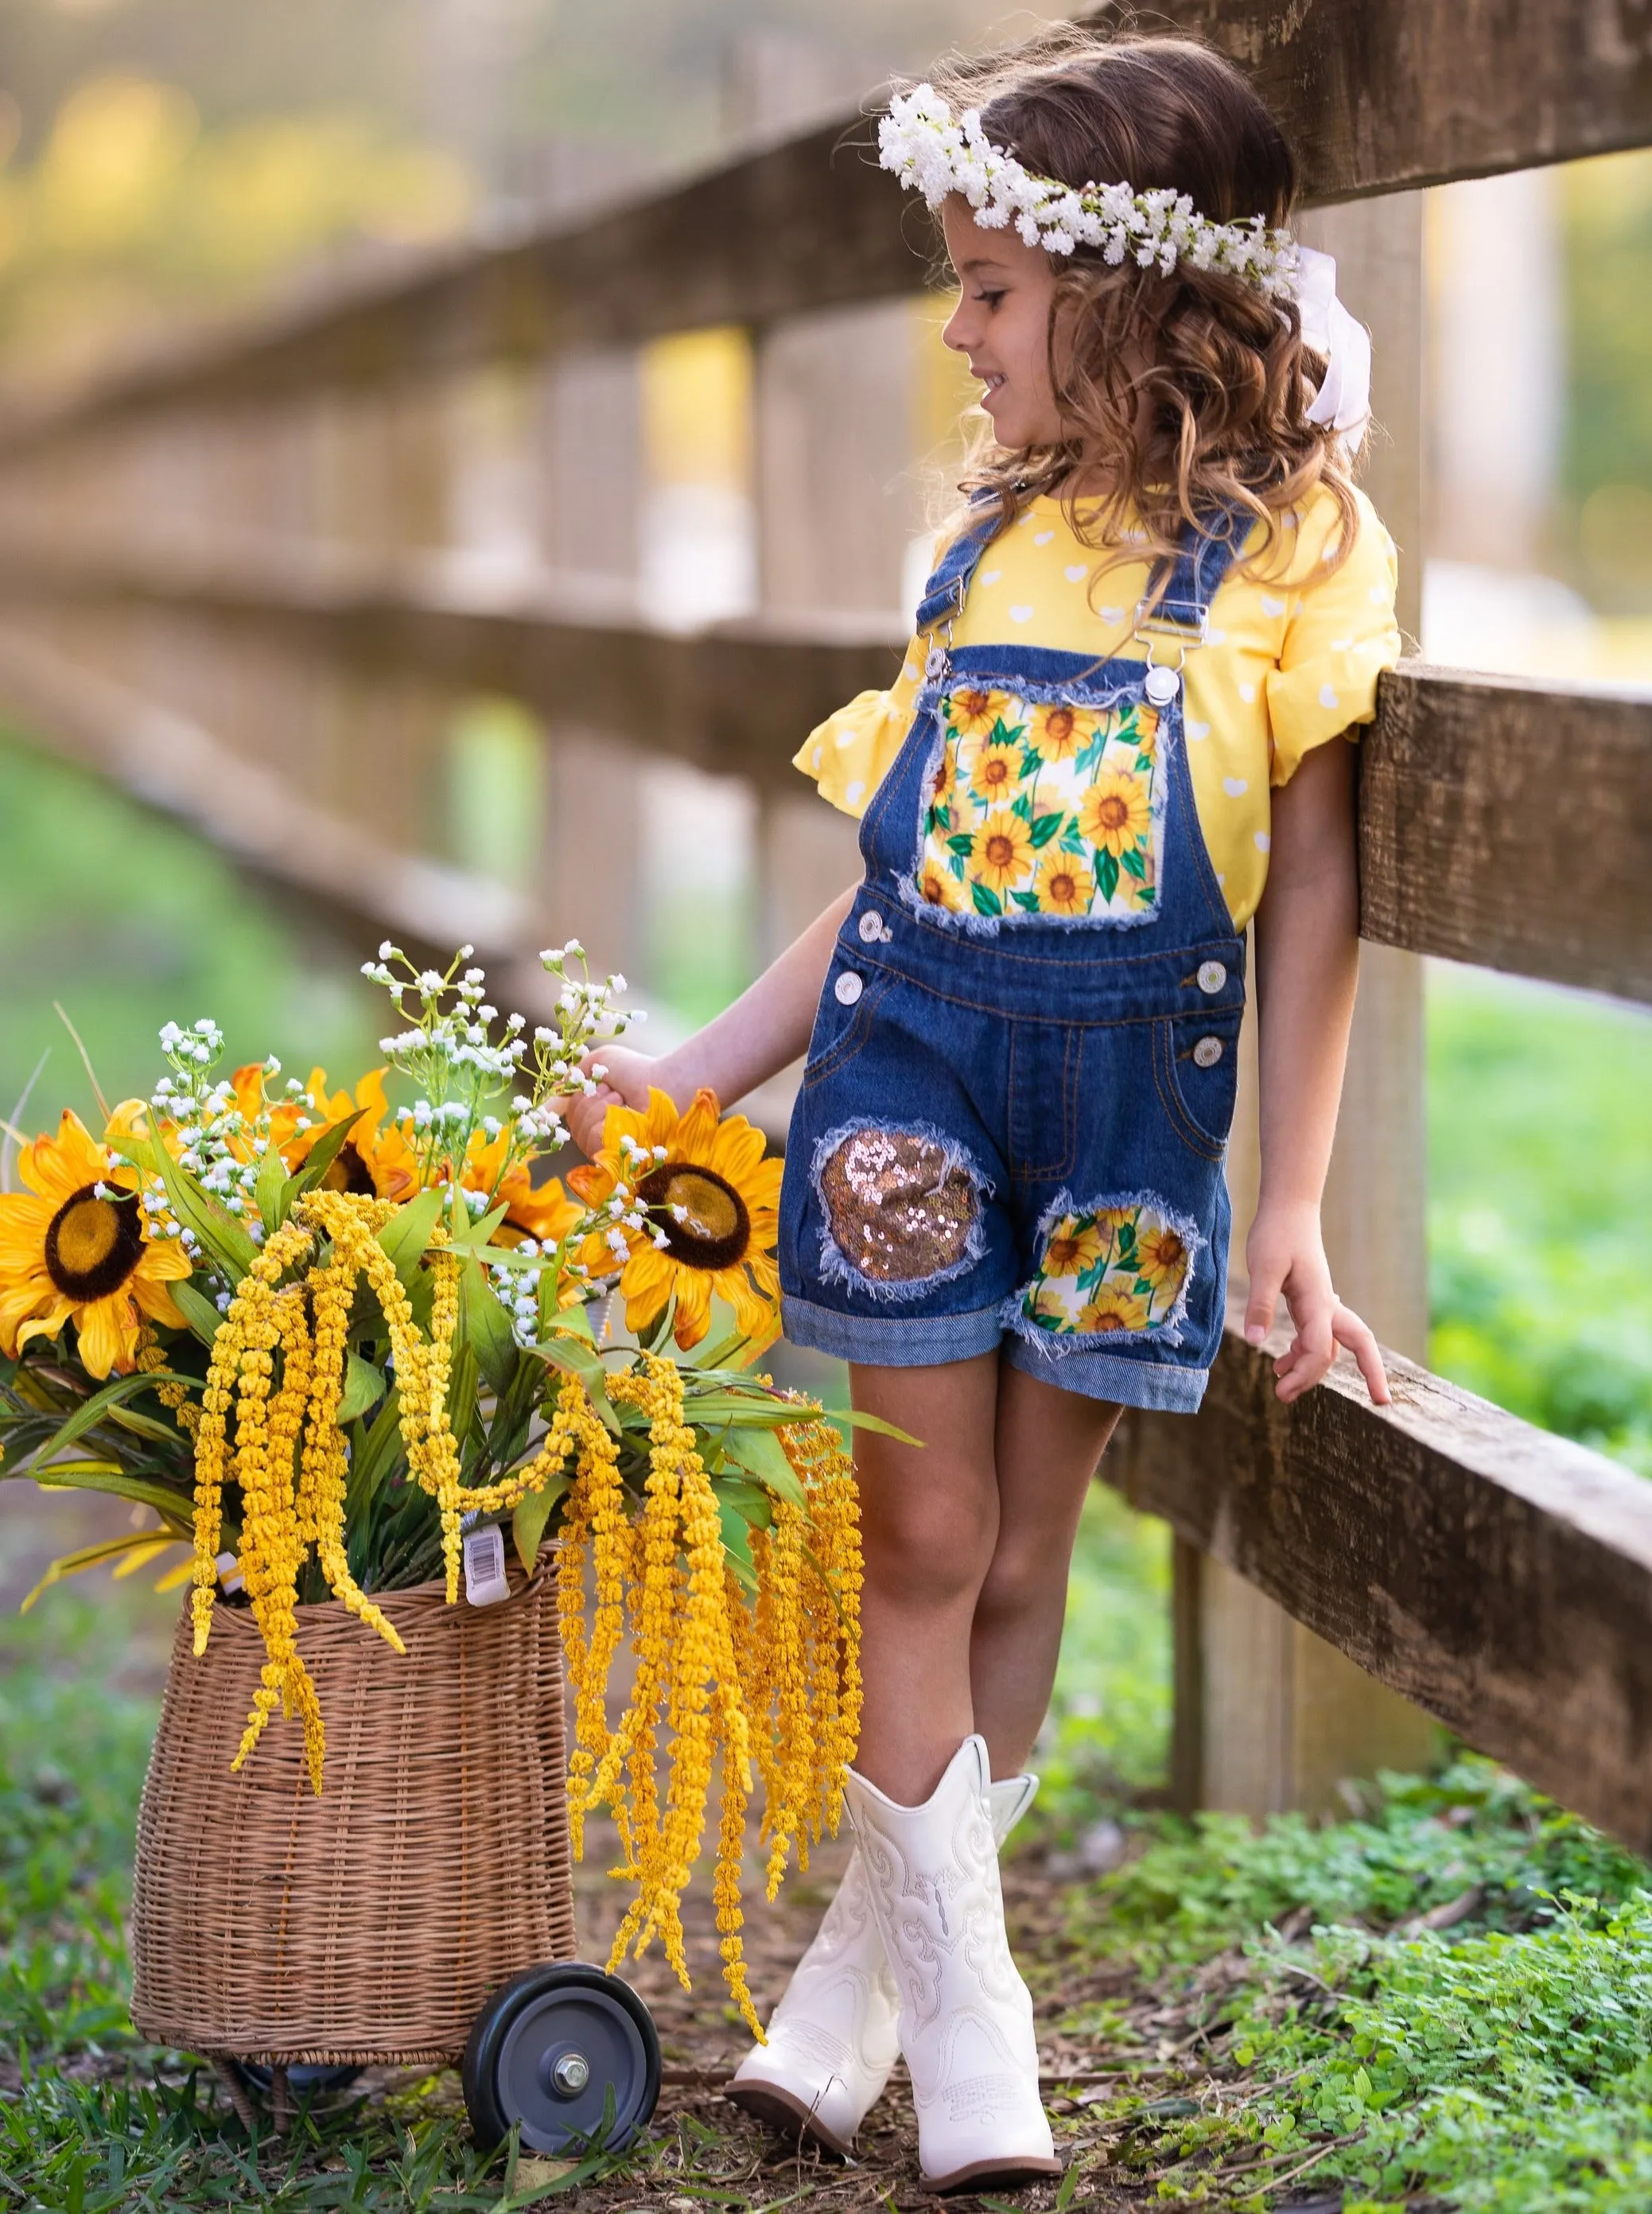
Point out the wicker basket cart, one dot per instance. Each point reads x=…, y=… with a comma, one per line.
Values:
x=420, y=1910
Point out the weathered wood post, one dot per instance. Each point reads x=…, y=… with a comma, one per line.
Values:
x=1267, y=1716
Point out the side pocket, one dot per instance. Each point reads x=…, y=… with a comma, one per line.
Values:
x=840, y=1032
x=1196, y=1070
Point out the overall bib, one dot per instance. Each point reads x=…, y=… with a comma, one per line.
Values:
x=1018, y=1093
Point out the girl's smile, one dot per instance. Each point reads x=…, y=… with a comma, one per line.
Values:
x=1002, y=325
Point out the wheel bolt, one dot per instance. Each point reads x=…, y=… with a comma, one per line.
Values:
x=571, y=2073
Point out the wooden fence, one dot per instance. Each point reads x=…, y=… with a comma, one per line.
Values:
x=240, y=578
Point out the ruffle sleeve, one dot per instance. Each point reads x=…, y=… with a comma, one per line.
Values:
x=1340, y=635
x=848, y=755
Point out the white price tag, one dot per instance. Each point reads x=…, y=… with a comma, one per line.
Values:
x=485, y=1584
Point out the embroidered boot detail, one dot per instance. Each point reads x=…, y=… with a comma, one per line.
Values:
x=831, y=2039
x=966, y=2019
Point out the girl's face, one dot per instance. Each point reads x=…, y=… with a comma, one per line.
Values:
x=1002, y=324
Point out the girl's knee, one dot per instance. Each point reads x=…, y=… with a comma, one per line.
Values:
x=1023, y=1579
x=934, y=1547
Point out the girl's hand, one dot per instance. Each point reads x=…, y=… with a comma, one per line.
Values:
x=1286, y=1253
x=625, y=1082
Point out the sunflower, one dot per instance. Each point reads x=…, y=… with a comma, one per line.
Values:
x=73, y=1248
x=995, y=770
x=972, y=713
x=712, y=1204
x=375, y=1161
x=1113, y=813
x=1058, y=731
x=1162, y=1258
x=1073, y=1246
x=936, y=888
x=1113, y=1308
x=1003, y=851
x=1064, y=885
x=943, y=785
x=543, y=1211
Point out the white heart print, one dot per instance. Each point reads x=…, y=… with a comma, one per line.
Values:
x=1271, y=606
x=990, y=576
x=1235, y=787
x=1196, y=731
x=1247, y=693
x=1042, y=537
x=1021, y=614
x=1076, y=574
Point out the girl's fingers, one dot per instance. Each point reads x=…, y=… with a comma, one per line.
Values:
x=1361, y=1341
x=1265, y=1285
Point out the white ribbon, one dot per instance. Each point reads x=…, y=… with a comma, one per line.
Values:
x=1343, y=401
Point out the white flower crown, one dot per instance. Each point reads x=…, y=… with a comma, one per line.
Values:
x=932, y=154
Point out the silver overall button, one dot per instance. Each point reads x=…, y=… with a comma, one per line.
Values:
x=1207, y=1053
x=1162, y=685
x=1211, y=976
x=849, y=987
x=871, y=928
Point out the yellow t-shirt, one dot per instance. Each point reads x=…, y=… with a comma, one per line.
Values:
x=1291, y=660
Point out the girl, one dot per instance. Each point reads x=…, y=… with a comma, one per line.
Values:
x=1109, y=748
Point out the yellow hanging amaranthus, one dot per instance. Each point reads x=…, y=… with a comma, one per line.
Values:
x=735, y=1680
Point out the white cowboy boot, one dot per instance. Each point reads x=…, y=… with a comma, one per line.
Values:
x=831, y=2038
x=966, y=2018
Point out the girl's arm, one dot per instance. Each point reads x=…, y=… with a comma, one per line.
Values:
x=1307, y=965
x=765, y=1028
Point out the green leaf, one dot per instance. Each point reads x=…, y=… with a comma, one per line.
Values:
x=477, y=1233
x=527, y=1523
x=763, y=1457
x=405, y=1236
x=1027, y=901
x=1134, y=863
x=574, y=1359
x=270, y=1194
x=857, y=1421
x=1046, y=827
x=736, y=1542
x=174, y=1505
x=196, y=1310
x=111, y=1398
x=753, y=1502
x=1106, y=872
x=1021, y=806
x=364, y=1387
x=225, y=1241
x=986, y=900
x=372, y=1461
x=484, y=1325
x=961, y=842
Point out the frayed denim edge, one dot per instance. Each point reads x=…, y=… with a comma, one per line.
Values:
x=1052, y=1343
x=836, y=1266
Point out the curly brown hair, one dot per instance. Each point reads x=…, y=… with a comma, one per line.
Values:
x=1223, y=369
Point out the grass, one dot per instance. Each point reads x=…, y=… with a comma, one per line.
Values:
x=1541, y=1204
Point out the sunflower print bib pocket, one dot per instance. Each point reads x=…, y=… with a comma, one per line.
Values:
x=1041, y=810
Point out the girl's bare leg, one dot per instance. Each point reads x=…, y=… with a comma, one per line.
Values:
x=1047, y=1444
x=929, y=1524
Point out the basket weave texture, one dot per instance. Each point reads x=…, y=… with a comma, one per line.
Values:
x=370, y=1924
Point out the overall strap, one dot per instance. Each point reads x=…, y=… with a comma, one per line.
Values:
x=944, y=594
x=1209, y=549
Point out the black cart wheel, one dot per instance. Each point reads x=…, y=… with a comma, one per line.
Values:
x=547, y=2050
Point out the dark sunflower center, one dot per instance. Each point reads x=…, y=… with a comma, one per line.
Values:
x=348, y=1171
x=1111, y=812
x=93, y=1244
x=704, y=1218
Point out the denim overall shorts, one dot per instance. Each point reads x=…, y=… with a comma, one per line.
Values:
x=1013, y=1117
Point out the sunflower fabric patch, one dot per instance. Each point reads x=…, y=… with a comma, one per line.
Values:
x=1123, y=1265
x=1041, y=808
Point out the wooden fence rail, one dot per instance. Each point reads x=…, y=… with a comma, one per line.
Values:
x=214, y=561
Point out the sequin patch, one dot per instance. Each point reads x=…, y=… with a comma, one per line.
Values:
x=1114, y=1266
x=903, y=1207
